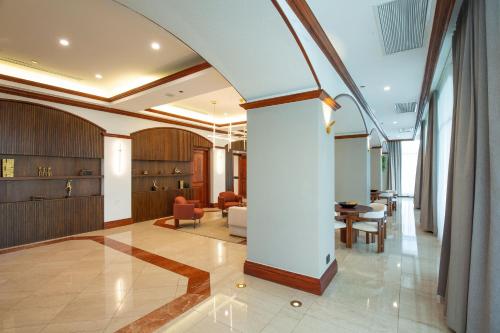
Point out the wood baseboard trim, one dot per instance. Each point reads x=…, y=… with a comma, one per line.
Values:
x=118, y=223
x=297, y=281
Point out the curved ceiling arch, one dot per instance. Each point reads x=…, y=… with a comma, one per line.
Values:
x=349, y=118
x=375, y=139
x=255, y=55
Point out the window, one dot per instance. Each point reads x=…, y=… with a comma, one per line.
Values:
x=409, y=157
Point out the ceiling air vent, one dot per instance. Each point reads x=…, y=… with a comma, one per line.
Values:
x=405, y=107
x=402, y=23
x=406, y=130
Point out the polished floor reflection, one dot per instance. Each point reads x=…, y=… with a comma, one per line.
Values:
x=83, y=286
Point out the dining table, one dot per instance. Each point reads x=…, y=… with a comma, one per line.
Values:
x=351, y=215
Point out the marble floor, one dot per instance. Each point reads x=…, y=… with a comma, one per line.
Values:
x=157, y=277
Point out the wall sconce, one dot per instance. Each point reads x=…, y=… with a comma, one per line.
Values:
x=329, y=126
x=327, y=114
x=118, y=159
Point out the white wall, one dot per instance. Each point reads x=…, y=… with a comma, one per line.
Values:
x=376, y=168
x=117, y=183
x=217, y=173
x=352, y=170
x=290, y=188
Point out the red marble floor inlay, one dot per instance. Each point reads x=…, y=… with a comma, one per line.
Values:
x=163, y=223
x=198, y=282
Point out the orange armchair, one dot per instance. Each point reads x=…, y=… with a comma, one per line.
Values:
x=187, y=210
x=228, y=199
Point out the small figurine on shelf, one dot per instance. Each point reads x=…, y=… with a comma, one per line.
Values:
x=68, y=188
x=40, y=171
x=176, y=171
x=44, y=172
x=49, y=172
x=145, y=172
x=155, y=186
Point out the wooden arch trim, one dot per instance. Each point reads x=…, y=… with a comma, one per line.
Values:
x=312, y=25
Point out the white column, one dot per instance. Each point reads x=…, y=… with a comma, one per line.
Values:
x=352, y=170
x=290, y=188
x=117, y=184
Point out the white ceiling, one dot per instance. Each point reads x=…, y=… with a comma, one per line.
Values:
x=105, y=38
x=227, y=107
x=354, y=31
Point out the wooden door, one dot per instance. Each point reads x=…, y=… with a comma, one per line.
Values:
x=200, y=178
x=242, y=175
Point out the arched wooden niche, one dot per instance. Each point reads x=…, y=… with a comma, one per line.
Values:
x=156, y=152
x=166, y=144
x=34, y=129
x=35, y=205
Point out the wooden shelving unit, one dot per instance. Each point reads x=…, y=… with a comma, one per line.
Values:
x=39, y=136
x=158, y=151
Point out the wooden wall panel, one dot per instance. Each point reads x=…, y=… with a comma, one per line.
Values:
x=33, y=221
x=33, y=129
x=166, y=144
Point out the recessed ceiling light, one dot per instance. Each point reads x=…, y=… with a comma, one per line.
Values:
x=240, y=285
x=155, y=46
x=394, y=122
x=98, y=76
x=34, y=62
x=387, y=88
x=63, y=42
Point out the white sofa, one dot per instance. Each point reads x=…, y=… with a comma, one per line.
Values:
x=237, y=221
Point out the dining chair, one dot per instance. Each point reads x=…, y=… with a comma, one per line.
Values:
x=373, y=223
x=339, y=221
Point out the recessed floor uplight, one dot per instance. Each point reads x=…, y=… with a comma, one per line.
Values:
x=34, y=62
x=63, y=42
x=394, y=122
x=296, y=304
x=155, y=46
x=387, y=88
x=98, y=76
x=240, y=285
x=395, y=305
